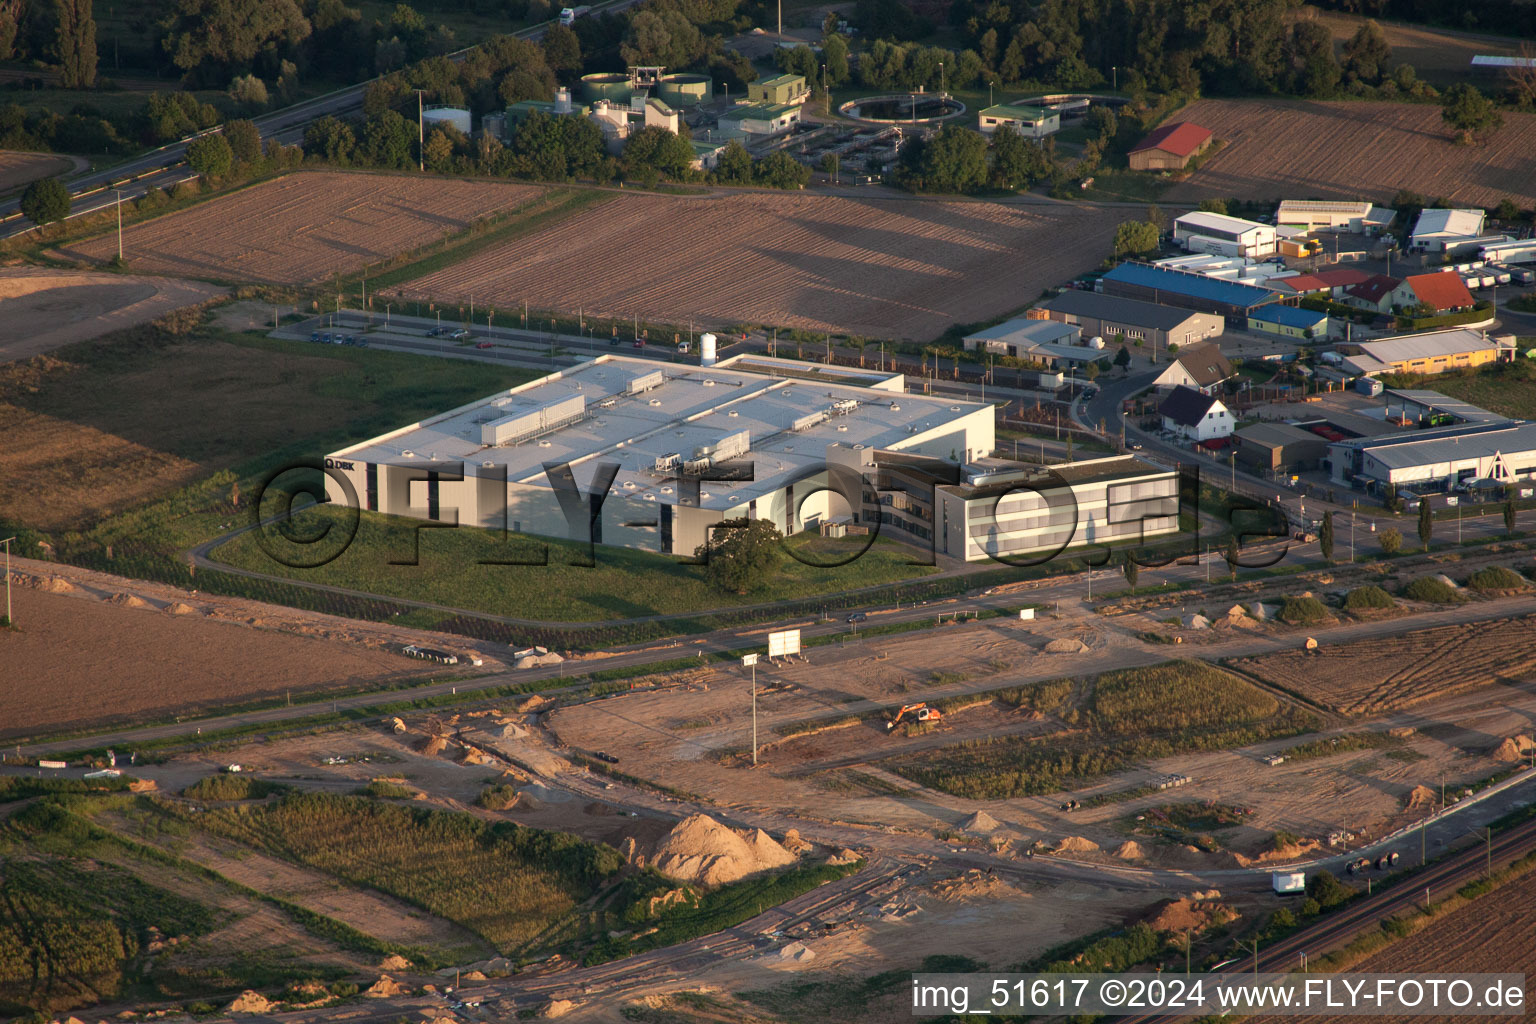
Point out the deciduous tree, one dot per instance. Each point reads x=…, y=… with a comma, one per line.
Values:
x=1426, y=523
x=210, y=156
x=742, y=554
x=1470, y=113
x=45, y=201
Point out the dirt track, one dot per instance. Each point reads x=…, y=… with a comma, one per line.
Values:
x=45, y=309
x=18, y=169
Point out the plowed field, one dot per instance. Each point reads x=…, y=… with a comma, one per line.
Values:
x=880, y=267
x=1299, y=149
x=306, y=227
x=1386, y=672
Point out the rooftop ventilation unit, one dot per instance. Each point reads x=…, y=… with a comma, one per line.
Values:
x=696, y=467
x=846, y=406
x=667, y=462
x=645, y=382
x=522, y=426
x=807, y=421
x=733, y=445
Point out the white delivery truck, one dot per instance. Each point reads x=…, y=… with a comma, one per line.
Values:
x=568, y=15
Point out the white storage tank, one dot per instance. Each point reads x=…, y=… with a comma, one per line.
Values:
x=458, y=117
x=1096, y=342
x=707, y=350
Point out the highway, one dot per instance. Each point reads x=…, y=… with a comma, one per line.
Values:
x=165, y=166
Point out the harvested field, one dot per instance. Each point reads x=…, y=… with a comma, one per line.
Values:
x=1437, y=54
x=105, y=661
x=1382, y=673
x=880, y=267
x=43, y=309
x=306, y=227
x=1494, y=934
x=18, y=169
x=1307, y=149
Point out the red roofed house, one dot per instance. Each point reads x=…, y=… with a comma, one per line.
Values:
x=1170, y=148
x=1375, y=293
x=1320, y=281
x=1445, y=291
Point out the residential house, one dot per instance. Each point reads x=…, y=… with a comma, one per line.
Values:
x=1195, y=416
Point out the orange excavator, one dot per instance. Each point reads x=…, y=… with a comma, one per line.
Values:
x=919, y=712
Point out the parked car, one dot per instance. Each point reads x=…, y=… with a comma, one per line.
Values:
x=858, y=617
x=639, y=343
x=314, y=335
x=437, y=332
x=603, y=755
x=351, y=339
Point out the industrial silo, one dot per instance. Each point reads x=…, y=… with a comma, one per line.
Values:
x=683, y=90
x=457, y=117
x=707, y=350
x=608, y=85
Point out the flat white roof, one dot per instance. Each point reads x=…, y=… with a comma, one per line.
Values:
x=687, y=409
x=1428, y=344
x=1354, y=209
x=1219, y=221
x=1459, y=223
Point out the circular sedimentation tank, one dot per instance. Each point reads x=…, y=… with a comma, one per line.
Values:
x=684, y=90
x=607, y=85
x=903, y=108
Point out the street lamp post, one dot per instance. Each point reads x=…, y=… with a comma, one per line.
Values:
x=750, y=661
x=119, y=193
x=941, y=79
x=9, y=621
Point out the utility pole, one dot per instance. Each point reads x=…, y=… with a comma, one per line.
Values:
x=1490, y=853
x=421, y=136
x=9, y=620
x=119, y=193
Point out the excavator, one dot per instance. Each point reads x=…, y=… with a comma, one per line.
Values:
x=919, y=712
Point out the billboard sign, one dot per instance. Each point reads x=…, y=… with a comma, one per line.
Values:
x=783, y=643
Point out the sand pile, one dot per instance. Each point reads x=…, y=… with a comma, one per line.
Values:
x=700, y=849
x=1129, y=850
x=384, y=988
x=1263, y=612
x=473, y=755
x=532, y=703
x=843, y=856
x=1066, y=645
x=179, y=608
x=394, y=962
x=1189, y=915
x=981, y=821
x=128, y=601
x=1193, y=621
x=794, y=844
x=1419, y=798
x=1237, y=613
x=474, y=976
x=1443, y=578
x=526, y=801
x=1513, y=749
x=58, y=586
x=434, y=745
x=1076, y=844
x=797, y=952
x=250, y=1002
x=556, y=1008
x=142, y=786
x=511, y=731
x=1402, y=732
x=533, y=657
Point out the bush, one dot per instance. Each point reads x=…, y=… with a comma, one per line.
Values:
x=1369, y=596
x=230, y=787
x=1391, y=541
x=1327, y=890
x=1434, y=591
x=1300, y=611
x=1496, y=577
x=385, y=789
x=496, y=798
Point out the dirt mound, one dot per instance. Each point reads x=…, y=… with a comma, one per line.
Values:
x=1193, y=621
x=981, y=821
x=1402, y=732
x=797, y=952
x=700, y=849
x=1419, y=798
x=1076, y=844
x=794, y=844
x=556, y=1008
x=1066, y=645
x=511, y=731
x=1513, y=749
x=54, y=585
x=474, y=976
x=142, y=786
x=129, y=601
x=473, y=755
x=1129, y=850
x=394, y=962
x=526, y=801
x=434, y=745
x=179, y=608
x=843, y=856
x=250, y=1002
x=1189, y=915
x=384, y=988
x=598, y=809
x=532, y=703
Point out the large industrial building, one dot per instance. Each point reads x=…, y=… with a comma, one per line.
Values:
x=1111, y=317
x=1437, y=230
x=1440, y=457
x=1051, y=343
x=675, y=448
x=1187, y=290
x=1333, y=215
x=999, y=511
x=1229, y=236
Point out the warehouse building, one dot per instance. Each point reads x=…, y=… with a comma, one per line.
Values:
x=1003, y=512
x=1333, y=215
x=1427, y=352
x=1289, y=322
x=1229, y=236
x=675, y=449
x=1111, y=317
x=1048, y=342
x=1030, y=122
x=779, y=91
x=1195, y=416
x=760, y=119
x=1201, y=367
x=1170, y=148
x=1438, y=230
x=1187, y=290
x=1440, y=457
x=1273, y=447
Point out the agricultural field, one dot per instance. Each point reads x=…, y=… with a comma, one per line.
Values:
x=1303, y=149
x=19, y=169
x=1118, y=718
x=1384, y=673
x=624, y=582
x=875, y=267
x=130, y=659
x=306, y=227
x=1437, y=55
x=102, y=426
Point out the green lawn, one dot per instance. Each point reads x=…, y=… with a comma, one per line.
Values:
x=625, y=583
x=1126, y=186
x=1508, y=389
